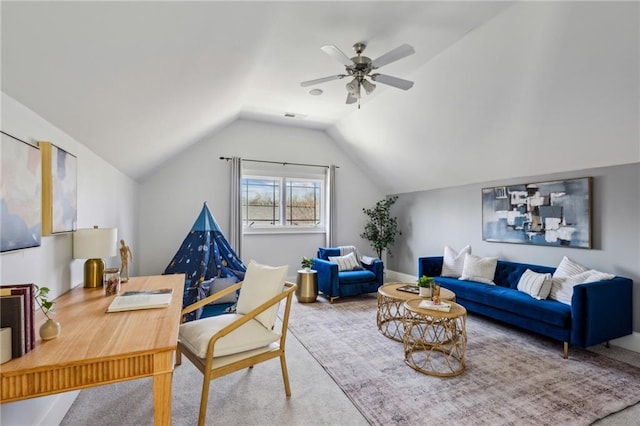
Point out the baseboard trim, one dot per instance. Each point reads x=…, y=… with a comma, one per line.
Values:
x=630, y=342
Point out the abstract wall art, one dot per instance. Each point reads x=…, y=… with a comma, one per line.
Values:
x=59, y=189
x=556, y=213
x=20, y=194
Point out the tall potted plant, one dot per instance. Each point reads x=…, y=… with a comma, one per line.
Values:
x=382, y=229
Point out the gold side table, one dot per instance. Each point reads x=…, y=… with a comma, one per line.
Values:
x=390, y=312
x=307, y=290
x=435, y=342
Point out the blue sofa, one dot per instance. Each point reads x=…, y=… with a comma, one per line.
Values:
x=599, y=311
x=333, y=284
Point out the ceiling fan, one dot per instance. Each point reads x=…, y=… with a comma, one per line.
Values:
x=360, y=67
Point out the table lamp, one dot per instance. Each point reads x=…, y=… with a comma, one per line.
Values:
x=94, y=244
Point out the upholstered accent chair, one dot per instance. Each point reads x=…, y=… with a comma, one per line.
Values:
x=342, y=277
x=226, y=343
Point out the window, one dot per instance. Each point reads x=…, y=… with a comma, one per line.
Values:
x=291, y=203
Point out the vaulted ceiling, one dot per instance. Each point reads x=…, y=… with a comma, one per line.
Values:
x=137, y=82
x=149, y=78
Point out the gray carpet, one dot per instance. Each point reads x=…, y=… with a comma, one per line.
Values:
x=370, y=370
x=512, y=377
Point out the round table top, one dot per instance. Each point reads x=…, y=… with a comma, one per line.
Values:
x=391, y=290
x=456, y=310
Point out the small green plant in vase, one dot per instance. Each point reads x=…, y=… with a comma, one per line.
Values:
x=51, y=328
x=307, y=263
x=425, y=284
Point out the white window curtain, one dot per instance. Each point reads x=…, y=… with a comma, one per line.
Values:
x=331, y=206
x=235, y=207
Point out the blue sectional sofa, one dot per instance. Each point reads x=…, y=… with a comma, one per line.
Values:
x=599, y=311
x=333, y=284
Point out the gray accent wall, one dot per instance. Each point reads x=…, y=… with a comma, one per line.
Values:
x=429, y=220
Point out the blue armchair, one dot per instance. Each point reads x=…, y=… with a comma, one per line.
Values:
x=333, y=284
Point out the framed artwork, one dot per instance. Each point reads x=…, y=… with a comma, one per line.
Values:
x=20, y=194
x=59, y=189
x=554, y=213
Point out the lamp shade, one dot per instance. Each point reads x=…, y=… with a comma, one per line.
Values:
x=95, y=243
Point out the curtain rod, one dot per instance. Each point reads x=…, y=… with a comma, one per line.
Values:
x=284, y=163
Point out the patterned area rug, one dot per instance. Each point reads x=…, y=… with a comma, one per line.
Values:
x=512, y=377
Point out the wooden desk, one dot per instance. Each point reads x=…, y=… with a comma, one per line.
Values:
x=97, y=348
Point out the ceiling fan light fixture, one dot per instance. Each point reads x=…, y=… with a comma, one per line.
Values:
x=353, y=87
x=368, y=86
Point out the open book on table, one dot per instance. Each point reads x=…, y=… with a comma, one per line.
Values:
x=147, y=299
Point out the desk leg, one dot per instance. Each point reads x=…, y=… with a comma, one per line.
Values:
x=162, y=389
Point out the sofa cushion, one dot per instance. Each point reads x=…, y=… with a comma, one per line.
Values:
x=348, y=262
x=453, y=261
x=564, y=287
x=535, y=284
x=481, y=269
x=356, y=277
x=325, y=252
x=508, y=299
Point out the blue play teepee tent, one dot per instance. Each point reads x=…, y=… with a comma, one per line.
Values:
x=204, y=254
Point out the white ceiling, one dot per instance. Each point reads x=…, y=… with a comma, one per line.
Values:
x=139, y=81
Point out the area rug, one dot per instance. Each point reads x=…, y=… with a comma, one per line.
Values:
x=512, y=377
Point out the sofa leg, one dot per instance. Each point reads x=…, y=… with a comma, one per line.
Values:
x=332, y=299
x=606, y=344
x=565, y=354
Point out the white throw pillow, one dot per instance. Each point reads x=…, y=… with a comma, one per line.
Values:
x=567, y=268
x=535, y=284
x=348, y=262
x=453, y=261
x=564, y=286
x=481, y=269
x=219, y=284
x=261, y=283
x=195, y=335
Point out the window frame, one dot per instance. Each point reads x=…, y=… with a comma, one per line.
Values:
x=283, y=177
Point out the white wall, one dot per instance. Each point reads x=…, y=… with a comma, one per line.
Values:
x=106, y=198
x=172, y=197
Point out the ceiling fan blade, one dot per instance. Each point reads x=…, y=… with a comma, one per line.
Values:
x=351, y=99
x=337, y=54
x=322, y=80
x=393, y=55
x=396, y=82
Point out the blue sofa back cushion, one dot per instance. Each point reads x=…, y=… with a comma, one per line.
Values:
x=325, y=252
x=508, y=273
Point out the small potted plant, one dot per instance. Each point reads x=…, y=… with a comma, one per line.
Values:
x=307, y=263
x=51, y=328
x=425, y=284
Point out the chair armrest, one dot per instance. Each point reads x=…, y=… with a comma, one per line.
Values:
x=200, y=303
x=430, y=266
x=601, y=311
x=327, y=277
x=377, y=267
x=243, y=319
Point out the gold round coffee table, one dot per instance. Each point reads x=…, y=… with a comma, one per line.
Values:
x=435, y=341
x=391, y=310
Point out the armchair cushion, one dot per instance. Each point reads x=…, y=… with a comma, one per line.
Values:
x=346, y=263
x=261, y=283
x=195, y=335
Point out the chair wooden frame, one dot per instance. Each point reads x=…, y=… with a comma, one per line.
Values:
x=213, y=368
